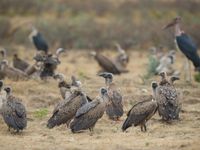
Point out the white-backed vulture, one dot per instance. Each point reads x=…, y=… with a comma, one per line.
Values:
x=66, y=109
x=141, y=112
x=14, y=112
x=114, y=109
x=105, y=63
x=121, y=59
x=87, y=115
x=168, y=100
x=19, y=63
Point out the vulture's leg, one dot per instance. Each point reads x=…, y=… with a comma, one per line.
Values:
x=141, y=127
x=91, y=131
x=145, y=127
x=68, y=123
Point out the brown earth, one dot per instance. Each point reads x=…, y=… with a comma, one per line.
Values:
x=41, y=96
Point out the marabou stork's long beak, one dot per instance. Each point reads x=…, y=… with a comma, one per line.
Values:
x=172, y=23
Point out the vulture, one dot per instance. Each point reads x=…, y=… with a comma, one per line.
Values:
x=122, y=58
x=168, y=100
x=19, y=63
x=105, y=63
x=11, y=72
x=49, y=63
x=3, y=55
x=87, y=115
x=38, y=40
x=141, y=112
x=13, y=112
x=114, y=109
x=66, y=109
x=166, y=63
x=49, y=66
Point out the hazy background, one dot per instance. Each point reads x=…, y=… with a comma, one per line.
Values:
x=96, y=24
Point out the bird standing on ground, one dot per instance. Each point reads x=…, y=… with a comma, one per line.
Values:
x=38, y=40
x=13, y=112
x=141, y=112
x=19, y=63
x=168, y=99
x=166, y=63
x=185, y=44
x=87, y=115
x=66, y=109
x=122, y=59
x=3, y=55
x=12, y=73
x=105, y=63
x=114, y=109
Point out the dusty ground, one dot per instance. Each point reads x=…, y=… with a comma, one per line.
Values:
x=40, y=98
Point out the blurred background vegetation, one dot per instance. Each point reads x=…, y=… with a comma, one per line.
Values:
x=96, y=24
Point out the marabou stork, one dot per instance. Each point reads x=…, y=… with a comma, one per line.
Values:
x=38, y=40
x=185, y=43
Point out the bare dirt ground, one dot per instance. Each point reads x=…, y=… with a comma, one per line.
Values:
x=40, y=98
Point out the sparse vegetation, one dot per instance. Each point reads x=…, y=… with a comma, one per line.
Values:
x=40, y=98
x=197, y=77
x=41, y=113
x=150, y=69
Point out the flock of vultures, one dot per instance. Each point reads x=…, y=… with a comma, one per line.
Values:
x=77, y=110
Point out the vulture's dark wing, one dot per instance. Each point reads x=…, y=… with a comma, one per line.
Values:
x=85, y=108
x=107, y=64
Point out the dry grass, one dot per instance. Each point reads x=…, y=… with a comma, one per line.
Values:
x=40, y=98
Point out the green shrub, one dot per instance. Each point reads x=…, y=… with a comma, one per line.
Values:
x=197, y=77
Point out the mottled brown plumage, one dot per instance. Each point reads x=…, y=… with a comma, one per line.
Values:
x=114, y=109
x=14, y=112
x=141, y=112
x=87, y=116
x=168, y=101
x=164, y=80
x=66, y=109
x=19, y=63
